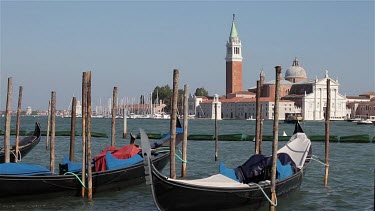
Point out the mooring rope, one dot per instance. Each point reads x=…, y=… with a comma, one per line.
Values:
x=19, y=153
x=83, y=185
x=167, y=150
x=264, y=193
x=318, y=160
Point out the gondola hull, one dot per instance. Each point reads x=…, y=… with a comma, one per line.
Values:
x=173, y=196
x=14, y=185
x=25, y=145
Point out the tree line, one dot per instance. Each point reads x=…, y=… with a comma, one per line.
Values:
x=165, y=94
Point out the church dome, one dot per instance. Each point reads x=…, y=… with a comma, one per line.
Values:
x=295, y=71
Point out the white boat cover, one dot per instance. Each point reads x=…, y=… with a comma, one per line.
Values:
x=297, y=148
x=217, y=180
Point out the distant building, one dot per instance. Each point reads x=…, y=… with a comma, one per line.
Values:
x=299, y=96
x=362, y=106
x=29, y=111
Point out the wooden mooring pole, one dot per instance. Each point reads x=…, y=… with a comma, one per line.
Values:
x=18, y=123
x=275, y=138
x=84, y=112
x=73, y=129
x=173, y=125
x=184, y=141
x=327, y=124
x=257, y=126
x=261, y=130
x=216, y=135
x=53, y=130
x=124, y=111
x=48, y=124
x=114, y=109
x=89, y=150
x=8, y=110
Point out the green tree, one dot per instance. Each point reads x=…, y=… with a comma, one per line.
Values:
x=201, y=92
x=165, y=93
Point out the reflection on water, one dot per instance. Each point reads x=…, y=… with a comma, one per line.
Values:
x=351, y=176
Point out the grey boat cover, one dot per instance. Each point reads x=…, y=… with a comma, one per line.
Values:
x=297, y=148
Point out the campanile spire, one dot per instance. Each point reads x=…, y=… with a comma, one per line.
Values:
x=233, y=61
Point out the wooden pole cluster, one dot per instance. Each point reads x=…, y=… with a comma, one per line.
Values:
x=327, y=124
x=53, y=130
x=114, y=109
x=257, y=126
x=216, y=135
x=73, y=128
x=7, y=121
x=173, y=124
x=48, y=124
x=184, y=141
x=275, y=138
x=84, y=112
x=18, y=123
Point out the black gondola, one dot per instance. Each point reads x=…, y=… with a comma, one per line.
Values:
x=29, y=186
x=24, y=146
x=221, y=192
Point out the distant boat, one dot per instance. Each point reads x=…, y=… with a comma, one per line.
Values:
x=293, y=118
x=251, y=118
x=364, y=122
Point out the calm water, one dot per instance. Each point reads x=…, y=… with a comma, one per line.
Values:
x=351, y=176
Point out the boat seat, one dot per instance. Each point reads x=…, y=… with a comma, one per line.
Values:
x=217, y=180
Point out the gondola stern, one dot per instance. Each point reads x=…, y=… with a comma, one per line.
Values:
x=146, y=153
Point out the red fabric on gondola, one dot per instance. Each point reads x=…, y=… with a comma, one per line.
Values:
x=124, y=152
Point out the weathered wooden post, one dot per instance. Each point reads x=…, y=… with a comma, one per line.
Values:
x=89, y=150
x=261, y=130
x=114, y=109
x=48, y=124
x=216, y=134
x=18, y=123
x=258, y=120
x=275, y=138
x=53, y=130
x=84, y=109
x=73, y=128
x=327, y=124
x=7, y=122
x=173, y=124
x=184, y=141
x=125, y=123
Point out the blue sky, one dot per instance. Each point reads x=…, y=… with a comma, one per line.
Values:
x=46, y=45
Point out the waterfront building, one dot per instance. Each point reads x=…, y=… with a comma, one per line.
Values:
x=362, y=106
x=29, y=111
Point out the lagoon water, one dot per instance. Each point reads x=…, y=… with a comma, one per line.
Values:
x=351, y=176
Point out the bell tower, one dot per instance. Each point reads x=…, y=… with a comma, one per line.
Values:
x=233, y=62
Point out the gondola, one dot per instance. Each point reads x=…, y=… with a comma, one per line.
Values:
x=220, y=191
x=42, y=182
x=24, y=146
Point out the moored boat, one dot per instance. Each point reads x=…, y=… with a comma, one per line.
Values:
x=227, y=190
x=25, y=145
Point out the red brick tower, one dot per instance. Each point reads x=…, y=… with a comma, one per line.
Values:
x=233, y=62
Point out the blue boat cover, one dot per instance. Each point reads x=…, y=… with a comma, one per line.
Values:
x=165, y=138
x=72, y=167
x=283, y=171
x=114, y=163
x=23, y=169
x=228, y=172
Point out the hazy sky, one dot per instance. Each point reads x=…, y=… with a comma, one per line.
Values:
x=46, y=45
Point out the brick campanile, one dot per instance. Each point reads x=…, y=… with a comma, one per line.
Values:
x=233, y=62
